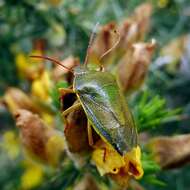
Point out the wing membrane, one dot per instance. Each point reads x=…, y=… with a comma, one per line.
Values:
x=121, y=135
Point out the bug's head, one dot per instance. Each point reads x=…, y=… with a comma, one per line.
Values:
x=79, y=70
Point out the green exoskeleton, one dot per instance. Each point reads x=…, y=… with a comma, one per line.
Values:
x=104, y=105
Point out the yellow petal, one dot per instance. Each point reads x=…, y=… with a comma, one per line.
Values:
x=21, y=63
x=41, y=86
x=48, y=118
x=54, y=149
x=32, y=177
x=107, y=160
x=11, y=144
x=133, y=160
x=38, y=90
x=163, y=3
x=46, y=80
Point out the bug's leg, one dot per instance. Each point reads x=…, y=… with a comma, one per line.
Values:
x=64, y=91
x=67, y=111
x=90, y=137
x=70, y=109
x=65, y=120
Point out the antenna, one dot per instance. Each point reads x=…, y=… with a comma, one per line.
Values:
x=51, y=59
x=113, y=47
x=92, y=36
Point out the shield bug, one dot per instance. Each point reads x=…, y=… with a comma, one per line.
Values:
x=104, y=104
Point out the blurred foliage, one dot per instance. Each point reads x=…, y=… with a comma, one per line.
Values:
x=151, y=111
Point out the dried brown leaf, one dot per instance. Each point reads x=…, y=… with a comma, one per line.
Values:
x=171, y=152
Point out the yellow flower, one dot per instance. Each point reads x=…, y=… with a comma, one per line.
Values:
x=11, y=144
x=54, y=149
x=28, y=68
x=133, y=160
x=48, y=118
x=120, y=168
x=32, y=177
x=107, y=160
x=40, y=87
x=21, y=63
x=163, y=3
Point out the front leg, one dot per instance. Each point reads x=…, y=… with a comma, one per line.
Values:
x=70, y=109
x=64, y=91
x=67, y=111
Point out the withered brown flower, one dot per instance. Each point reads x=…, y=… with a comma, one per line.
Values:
x=170, y=152
x=40, y=142
x=133, y=66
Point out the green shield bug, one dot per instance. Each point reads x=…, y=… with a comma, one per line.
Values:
x=104, y=104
